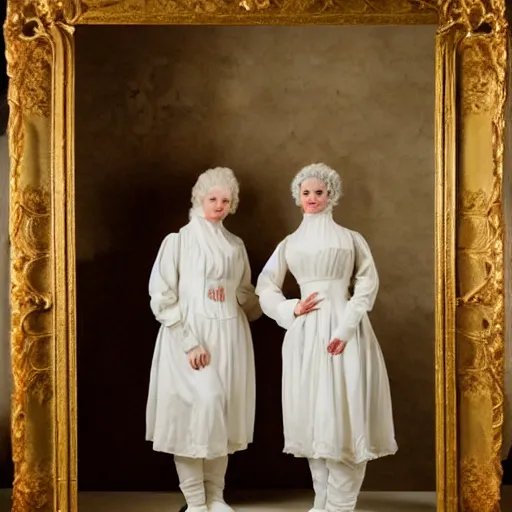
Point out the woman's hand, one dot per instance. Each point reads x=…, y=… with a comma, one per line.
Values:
x=307, y=305
x=217, y=294
x=336, y=347
x=198, y=358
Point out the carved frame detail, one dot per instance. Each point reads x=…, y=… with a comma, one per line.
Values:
x=471, y=77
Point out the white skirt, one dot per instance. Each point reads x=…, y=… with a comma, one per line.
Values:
x=205, y=413
x=335, y=407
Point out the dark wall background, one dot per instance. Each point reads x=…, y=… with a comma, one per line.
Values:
x=155, y=107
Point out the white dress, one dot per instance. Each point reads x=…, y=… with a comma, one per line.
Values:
x=334, y=407
x=205, y=413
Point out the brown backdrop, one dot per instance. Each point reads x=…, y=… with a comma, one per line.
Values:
x=155, y=107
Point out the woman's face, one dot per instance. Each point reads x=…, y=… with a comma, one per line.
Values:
x=314, y=196
x=216, y=204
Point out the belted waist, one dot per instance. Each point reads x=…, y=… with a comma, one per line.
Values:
x=229, y=285
x=331, y=289
x=219, y=298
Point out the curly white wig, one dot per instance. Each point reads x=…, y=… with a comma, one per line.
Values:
x=321, y=172
x=222, y=177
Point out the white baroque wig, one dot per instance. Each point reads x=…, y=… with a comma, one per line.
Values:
x=321, y=172
x=221, y=177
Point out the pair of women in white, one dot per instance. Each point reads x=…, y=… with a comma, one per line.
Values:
x=335, y=390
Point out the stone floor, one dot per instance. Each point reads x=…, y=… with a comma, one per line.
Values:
x=298, y=501
x=255, y=502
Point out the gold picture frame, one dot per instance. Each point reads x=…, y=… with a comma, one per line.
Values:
x=471, y=78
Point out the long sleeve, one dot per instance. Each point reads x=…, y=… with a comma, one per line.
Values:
x=365, y=290
x=163, y=288
x=245, y=295
x=269, y=289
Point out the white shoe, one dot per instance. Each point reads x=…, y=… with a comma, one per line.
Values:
x=317, y=510
x=219, y=506
x=202, y=508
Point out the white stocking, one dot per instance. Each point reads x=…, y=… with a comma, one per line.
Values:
x=191, y=477
x=319, y=475
x=343, y=485
x=214, y=475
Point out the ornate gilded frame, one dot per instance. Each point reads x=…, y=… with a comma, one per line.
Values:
x=471, y=75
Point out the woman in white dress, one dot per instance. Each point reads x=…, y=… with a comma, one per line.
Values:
x=202, y=387
x=335, y=389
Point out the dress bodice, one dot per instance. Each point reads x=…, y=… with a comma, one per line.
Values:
x=212, y=258
x=320, y=250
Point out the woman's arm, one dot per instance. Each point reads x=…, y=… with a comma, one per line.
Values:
x=163, y=288
x=269, y=289
x=365, y=290
x=245, y=295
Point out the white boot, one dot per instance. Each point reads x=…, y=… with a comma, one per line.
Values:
x=191, y=477
x=214, y=474
x=344, y=485
x=219, y=506
x=319, y=475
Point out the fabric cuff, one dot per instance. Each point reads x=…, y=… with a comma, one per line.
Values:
x=344, y=333
x=285, y=310
x=189, y=343
x=170, y=316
